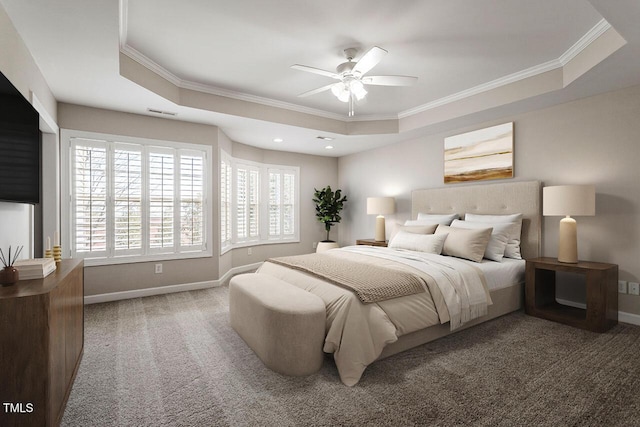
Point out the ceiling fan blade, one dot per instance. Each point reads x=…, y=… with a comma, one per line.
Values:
x=315, y=71
x=389, y=80
x=314, y=91
x=369, y=60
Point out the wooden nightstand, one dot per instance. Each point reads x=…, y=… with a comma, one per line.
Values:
x=372, y=242
x=601, y=313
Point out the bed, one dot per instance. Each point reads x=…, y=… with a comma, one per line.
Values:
x=359, y=333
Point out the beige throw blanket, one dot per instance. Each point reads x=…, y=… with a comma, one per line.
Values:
x=370, y=283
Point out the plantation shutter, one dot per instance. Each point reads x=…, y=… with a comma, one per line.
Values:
x=161, y=199
x=225, y=201
x=89, y=188
x=192, y=200
x=127, y=199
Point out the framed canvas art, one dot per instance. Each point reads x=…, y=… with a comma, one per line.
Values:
x=479, y=155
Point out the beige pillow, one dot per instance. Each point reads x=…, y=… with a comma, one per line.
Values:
x=419, y=229
x=415, y=229
x=444, y=219
x=429, y=243
x=497, y=242
x=513, y=245
x=463, y=243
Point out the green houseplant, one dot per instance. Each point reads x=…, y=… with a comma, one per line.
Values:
x=328, y=207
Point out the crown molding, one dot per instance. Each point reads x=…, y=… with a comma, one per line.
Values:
x=592, y=35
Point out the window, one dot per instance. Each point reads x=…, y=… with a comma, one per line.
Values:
x=226, y=179
x=258, y=203
x=136, y=200
x=282, y=203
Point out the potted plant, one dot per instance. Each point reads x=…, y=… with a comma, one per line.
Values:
x=328, y=207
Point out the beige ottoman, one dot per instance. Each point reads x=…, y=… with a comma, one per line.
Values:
x=283, y=325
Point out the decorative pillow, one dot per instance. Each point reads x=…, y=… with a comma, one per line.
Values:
x=463, y=243
x=429, y=243
x=444, y=219
x=417, y=223
x=513, y=245
x=416, y=229
x=419, y=229
x=497, y=242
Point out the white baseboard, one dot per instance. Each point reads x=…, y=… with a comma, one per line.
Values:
x=160, y=290
x=623, y=316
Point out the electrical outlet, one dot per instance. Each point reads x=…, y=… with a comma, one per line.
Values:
x=634, y=288
x=158, y=268
x=622, y=286
x=315, y=245
x=249, y=251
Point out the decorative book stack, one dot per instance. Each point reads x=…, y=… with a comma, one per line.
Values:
x=35, y=268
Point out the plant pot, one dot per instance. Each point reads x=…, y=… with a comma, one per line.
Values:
x=325, y=246
x=8, y=276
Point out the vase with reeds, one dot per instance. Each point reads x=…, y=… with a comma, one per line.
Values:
x=9, y=274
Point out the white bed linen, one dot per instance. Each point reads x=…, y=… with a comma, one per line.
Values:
x=505, y=273
x=356, y=332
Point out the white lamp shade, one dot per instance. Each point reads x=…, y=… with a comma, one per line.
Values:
x=569, y=200
x=380, y=205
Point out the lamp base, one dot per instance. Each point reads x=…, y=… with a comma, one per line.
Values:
x=568, y=241
x=380, y=231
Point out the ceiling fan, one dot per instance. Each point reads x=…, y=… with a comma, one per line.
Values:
x=352, y=76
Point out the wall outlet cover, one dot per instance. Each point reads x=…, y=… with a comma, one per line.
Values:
x=634, y=288
x=622, y=286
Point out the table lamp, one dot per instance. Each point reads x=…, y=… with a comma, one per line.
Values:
x=568, y=200
x=380, y=206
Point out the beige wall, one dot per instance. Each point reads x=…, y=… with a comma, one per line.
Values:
x=17, y=64
x=315, y=171
x=593, y=140
x=126, y=277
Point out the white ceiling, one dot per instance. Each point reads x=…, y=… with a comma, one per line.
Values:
x=243, y=50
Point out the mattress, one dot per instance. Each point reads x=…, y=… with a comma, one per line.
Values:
x=357, y=333
x=500, y=275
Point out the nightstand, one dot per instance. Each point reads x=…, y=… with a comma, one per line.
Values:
x=372, y=242
x=601, y=313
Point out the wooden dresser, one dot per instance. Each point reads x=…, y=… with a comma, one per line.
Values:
x=41, y=344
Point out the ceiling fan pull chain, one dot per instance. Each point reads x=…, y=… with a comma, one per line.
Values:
x=351, y=104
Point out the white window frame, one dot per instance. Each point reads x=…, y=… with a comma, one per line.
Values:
x=177, y=251
x=263, y=237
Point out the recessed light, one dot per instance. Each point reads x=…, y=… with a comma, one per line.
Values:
x=325, y=138
x=329, y=147
x=278, y=139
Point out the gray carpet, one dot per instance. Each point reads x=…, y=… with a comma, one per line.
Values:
x=173, y=360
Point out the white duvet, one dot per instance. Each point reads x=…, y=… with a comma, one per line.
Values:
x=356, y=334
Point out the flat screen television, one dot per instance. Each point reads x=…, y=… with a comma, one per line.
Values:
x=20, y=147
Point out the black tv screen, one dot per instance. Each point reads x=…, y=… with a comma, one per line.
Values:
x=20, y=141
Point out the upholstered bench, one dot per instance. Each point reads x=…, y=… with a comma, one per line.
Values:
x=283, y=325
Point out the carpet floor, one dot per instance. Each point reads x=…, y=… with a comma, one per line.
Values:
x=173, y=360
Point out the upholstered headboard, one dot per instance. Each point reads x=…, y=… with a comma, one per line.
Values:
x=508, y=198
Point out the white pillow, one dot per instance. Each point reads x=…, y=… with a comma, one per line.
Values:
x=415, y=229
x=463, y=243
x=417, y=222
x=499, y=237
x=513, y=245
x=444, y=219
x=418, y=242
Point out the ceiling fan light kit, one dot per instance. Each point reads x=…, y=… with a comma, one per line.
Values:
x=351, y=88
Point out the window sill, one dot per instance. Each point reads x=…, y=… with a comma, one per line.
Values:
x=95, y=262
x=225, y=249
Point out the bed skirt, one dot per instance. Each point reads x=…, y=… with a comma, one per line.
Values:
x=505, y=300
